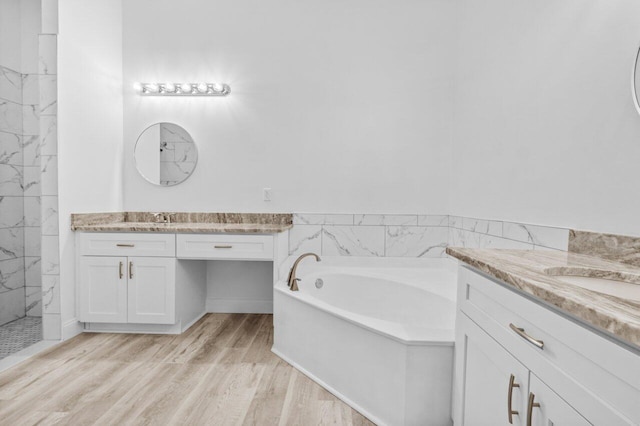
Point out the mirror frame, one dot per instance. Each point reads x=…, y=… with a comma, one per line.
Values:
x=135, y=160
x=634, y=77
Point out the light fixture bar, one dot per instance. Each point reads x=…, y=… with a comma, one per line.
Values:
x=182, y=89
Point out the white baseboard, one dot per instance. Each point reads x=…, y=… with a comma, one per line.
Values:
x=176, y=328
x=71, y=328
x=95, y=327
x=240, y=306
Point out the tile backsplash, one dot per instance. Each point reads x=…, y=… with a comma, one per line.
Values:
x=413, y=235
x=481, y=233
x=369, y=235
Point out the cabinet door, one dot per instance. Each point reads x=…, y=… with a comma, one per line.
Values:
x=103, y=289
x=488, y=387
x=553, y=410
x=152, y=290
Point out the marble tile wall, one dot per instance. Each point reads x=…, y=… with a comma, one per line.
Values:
x=31, y=198
x=480, y=233
x=28, y=192
x=29, y=254
x=369, y=235
x=413, y=235
x=12, y=214
x=48, y=110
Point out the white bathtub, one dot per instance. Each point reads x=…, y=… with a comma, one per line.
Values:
x=378, y=334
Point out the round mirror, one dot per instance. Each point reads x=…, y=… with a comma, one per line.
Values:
x=165, y=154
x=636, y=82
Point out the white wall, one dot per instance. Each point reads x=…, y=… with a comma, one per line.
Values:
x=30, y=27
x=234, y=286
x=545, y=127
x=19, y=28
x=10, y=27
x=90, y=121
x=337, y=106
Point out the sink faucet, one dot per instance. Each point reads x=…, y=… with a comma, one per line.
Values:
x=163, y=217
x=292, y=281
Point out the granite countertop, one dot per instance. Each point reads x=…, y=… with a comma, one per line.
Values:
x=528, y=271
x=235, y=223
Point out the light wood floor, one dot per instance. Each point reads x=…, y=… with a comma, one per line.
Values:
x=220, y=372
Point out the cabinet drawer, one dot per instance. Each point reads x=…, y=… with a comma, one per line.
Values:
x=221, y=246
x=123, y=244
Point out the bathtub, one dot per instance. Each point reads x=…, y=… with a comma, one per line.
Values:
x=377, y=333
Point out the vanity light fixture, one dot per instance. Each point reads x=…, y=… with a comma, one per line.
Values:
x=182, y=89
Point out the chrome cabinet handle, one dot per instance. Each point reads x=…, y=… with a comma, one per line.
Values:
x=125, y=245
x=520, y=331
x=120, y=270
x=130, y=270
x=530, y=407
x=223, y=246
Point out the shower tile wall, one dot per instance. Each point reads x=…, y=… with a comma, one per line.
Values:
x=20, y=217
x=52, y=327
x=29, y=242
x=31, y=185
x=12, y=243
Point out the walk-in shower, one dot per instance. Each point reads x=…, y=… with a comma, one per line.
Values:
x=20, y=201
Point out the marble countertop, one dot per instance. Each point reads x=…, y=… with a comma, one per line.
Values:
x=527, y=271
x=236, y=223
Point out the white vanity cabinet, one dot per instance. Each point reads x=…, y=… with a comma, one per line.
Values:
x=550, y=408
x=496, y=385
x=157, y=282
x=514, y=354
x=151, y=290
x=103, y=294
x=127, y=289
x=495, y=382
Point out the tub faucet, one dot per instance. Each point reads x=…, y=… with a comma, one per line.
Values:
x=292, y=281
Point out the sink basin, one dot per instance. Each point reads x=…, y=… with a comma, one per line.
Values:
x=621, y=289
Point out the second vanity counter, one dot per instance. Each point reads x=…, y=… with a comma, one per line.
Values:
x=235, y=223
x=539, y=274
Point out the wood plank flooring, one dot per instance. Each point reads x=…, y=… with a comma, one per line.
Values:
x=220, y=372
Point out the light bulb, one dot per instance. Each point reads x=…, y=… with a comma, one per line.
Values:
x=169, y=87
x=152, y=87
x=203, y=88
x=217, y=87
x=137, y=87
x=186, y=88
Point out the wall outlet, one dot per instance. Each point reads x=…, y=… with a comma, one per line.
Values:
x=266, y=194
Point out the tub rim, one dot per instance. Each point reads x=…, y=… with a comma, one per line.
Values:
x=350, y=317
